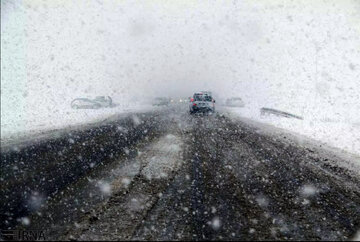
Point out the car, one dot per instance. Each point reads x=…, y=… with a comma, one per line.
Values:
x=104, y=101
x=161, y=101
x=206, y=93
x=96, y=103
x=202, y=102
x=234, y=102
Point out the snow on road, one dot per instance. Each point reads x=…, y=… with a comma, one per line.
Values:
x=164, y=159
x=342, y=134
x=160, y=160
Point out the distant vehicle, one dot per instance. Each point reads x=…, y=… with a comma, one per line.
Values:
x=206, y=93
x=161, y=101
x=202, y=102
x=234, y=102
x=183, y=100
x=96, y=103
x=104, y=101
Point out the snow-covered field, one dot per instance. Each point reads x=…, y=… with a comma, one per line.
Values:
x=36, y=123
x=341, y=134
x=294, y=56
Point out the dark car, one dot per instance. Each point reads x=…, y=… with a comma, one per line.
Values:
x=202, y=102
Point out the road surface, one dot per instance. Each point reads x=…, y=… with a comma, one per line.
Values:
x=171, y=175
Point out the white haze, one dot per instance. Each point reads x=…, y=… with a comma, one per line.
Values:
x=297, y=56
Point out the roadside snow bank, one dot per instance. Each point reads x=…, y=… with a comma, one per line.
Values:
x=39, y=122
x=341, y=134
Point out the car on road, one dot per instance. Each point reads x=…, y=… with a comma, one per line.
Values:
x=161, y=101
x=96, y=103
x=202, y=102
x=234, y=102
x=104, y=101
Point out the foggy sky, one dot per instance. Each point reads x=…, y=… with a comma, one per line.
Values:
x=301, y=56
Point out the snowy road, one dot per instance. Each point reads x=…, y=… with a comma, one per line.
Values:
x=184, y=177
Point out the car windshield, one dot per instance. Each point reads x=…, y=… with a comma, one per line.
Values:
x=180, y=120
x=200, y=97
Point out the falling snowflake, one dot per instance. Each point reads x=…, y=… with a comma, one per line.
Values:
x=216, y=223
x=25, y=221
x=125, y=181
x=308, y=190
x=104, y=187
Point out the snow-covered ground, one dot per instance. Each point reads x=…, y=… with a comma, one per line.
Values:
x=336, y=133
x=36, y=123
x=295, y=56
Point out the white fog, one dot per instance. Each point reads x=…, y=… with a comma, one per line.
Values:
x=293, y=56
x=109, y=128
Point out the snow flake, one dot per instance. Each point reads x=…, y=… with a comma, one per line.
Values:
x=308, y=190
x=216, y=223
x=262, y=201
x=125, y=181
x=25, y=221
x=213, y=210
x=104, y=187
x=136, y=120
